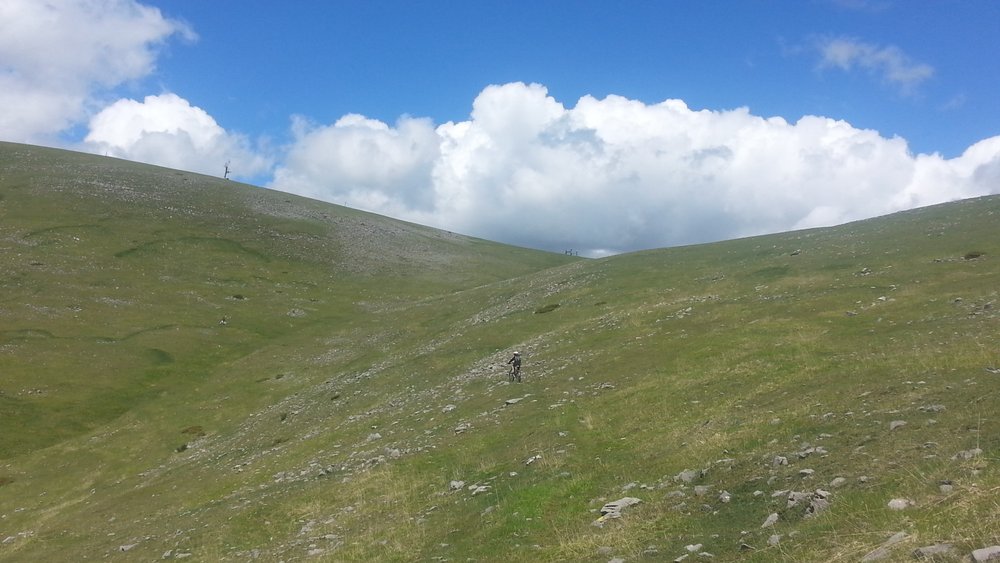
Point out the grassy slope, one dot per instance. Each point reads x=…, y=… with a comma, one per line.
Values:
x=361, y=371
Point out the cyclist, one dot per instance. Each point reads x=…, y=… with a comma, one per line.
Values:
x=515, y=367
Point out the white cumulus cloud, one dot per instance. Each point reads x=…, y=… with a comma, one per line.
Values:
x=168, y=131
x=613, y=174
x=364, y=162
x=57, y=56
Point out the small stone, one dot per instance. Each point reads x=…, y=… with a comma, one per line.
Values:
x=837, y=482
x=775, y=539
x=897, y=424
x=725, y=497
x=900, y=503
x=693, y=547
x=687, y=475
x=779, y=461
x=456, y=485
x=946, y=488
x=770, y=521
x=806, y=472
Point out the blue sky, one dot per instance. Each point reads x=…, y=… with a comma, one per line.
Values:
x=254, y=65
x=603, y=126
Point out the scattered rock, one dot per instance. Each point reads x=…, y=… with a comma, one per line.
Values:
x=770, y=521
x=693, y=547
x=456, y=485
x=779, y=461
x=991, y=553
x=775, y=539
x=513, y=401
x=806, y=472
x=837, y=482
x=934, y=551
x=725, y=497
x=897, y=424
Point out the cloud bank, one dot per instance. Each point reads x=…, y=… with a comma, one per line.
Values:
x=614, y=174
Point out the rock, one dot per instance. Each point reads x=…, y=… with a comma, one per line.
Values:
x=616, y=560
x=775, y=539
x=900, y=504
x=456, y=485
x=991, y=553
x=794, y=498
x=124, y=548
x=604, y=551
x=725, y=497
x=770, y=521
x=688, y=475
x=701, y=490
x=934, y=551
x=374, y=436
x=513, y=401
x=779, y=460
x=462, y=427
x=693, y=547
x=819, y=502
x=837, y=482
x=806, y=472
x=448, y=408
x=897, y=424
x=946, y=488
x=479, y=489
x=614, y=509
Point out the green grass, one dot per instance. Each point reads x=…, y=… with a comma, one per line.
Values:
x=190, y=365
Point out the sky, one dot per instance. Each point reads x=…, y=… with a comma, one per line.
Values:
x=601, y=127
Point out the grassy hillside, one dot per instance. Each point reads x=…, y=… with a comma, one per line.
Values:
x=354, y=405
